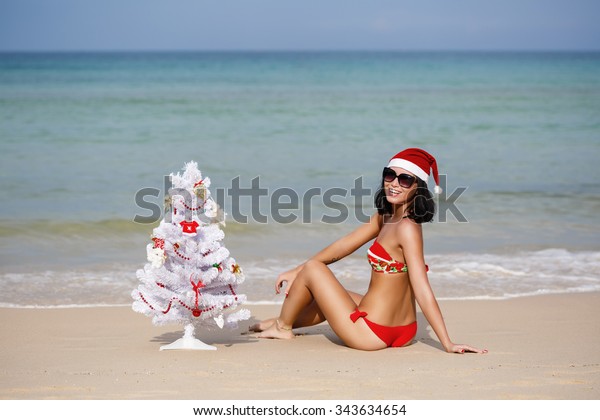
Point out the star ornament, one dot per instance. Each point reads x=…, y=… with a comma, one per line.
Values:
x=236, y=269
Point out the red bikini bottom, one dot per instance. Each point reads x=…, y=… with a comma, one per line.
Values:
x=391, y=336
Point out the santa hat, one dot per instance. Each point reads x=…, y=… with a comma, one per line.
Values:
x=420, y=163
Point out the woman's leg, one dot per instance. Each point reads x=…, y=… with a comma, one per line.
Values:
x=310, y=315
x=317, y=282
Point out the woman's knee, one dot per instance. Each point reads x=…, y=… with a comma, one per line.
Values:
x=312, y=269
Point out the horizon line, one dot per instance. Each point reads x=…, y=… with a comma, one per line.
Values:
x=294, y=50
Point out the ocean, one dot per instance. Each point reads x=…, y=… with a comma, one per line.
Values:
x=86, y=140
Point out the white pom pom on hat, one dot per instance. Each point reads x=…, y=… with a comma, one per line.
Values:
x=420, y=163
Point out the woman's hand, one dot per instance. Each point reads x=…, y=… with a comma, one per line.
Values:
x=463, y=348
x=288, y=277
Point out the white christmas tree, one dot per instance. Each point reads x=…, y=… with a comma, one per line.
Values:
x=190, y=278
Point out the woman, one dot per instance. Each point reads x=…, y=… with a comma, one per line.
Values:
x=386, y=315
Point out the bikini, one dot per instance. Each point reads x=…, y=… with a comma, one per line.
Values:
x=382, y=262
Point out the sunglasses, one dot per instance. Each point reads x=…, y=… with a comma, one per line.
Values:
x=405, y=180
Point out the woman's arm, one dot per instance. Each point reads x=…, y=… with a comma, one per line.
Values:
x=411, y=239
x=337, y=250
x=350, y=242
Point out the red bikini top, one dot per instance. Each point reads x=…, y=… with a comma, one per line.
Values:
x=382, y=262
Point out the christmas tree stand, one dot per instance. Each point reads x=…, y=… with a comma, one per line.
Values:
x=188, y=342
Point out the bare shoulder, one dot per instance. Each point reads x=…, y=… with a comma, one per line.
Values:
x=408, y=231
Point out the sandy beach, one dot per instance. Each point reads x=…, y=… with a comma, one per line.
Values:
x=544, y=347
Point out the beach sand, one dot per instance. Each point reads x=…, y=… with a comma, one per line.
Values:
x=543, y=347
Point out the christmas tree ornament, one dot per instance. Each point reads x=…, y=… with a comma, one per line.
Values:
x=200, y=190
x=186, y=280
x=189, y=228
x=236, y=269
x=211, y=209
x=159, y=243
x=156, y=256
x=168, y=203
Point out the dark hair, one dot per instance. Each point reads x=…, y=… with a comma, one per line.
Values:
x=422, y=206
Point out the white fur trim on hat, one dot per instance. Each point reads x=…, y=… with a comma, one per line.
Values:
x=409, y=166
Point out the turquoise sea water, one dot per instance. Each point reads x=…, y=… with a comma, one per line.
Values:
x=80, y=134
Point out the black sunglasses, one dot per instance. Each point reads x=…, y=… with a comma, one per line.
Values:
x=405, y=180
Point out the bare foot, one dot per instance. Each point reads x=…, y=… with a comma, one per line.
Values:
x=274, y=331
x=262, y=325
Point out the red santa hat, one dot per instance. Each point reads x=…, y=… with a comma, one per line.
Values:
x=420, y=163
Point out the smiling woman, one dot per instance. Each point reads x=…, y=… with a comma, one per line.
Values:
x=398, y=279
x=423, y=206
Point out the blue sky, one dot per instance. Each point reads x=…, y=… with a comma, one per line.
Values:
x=57, y=25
